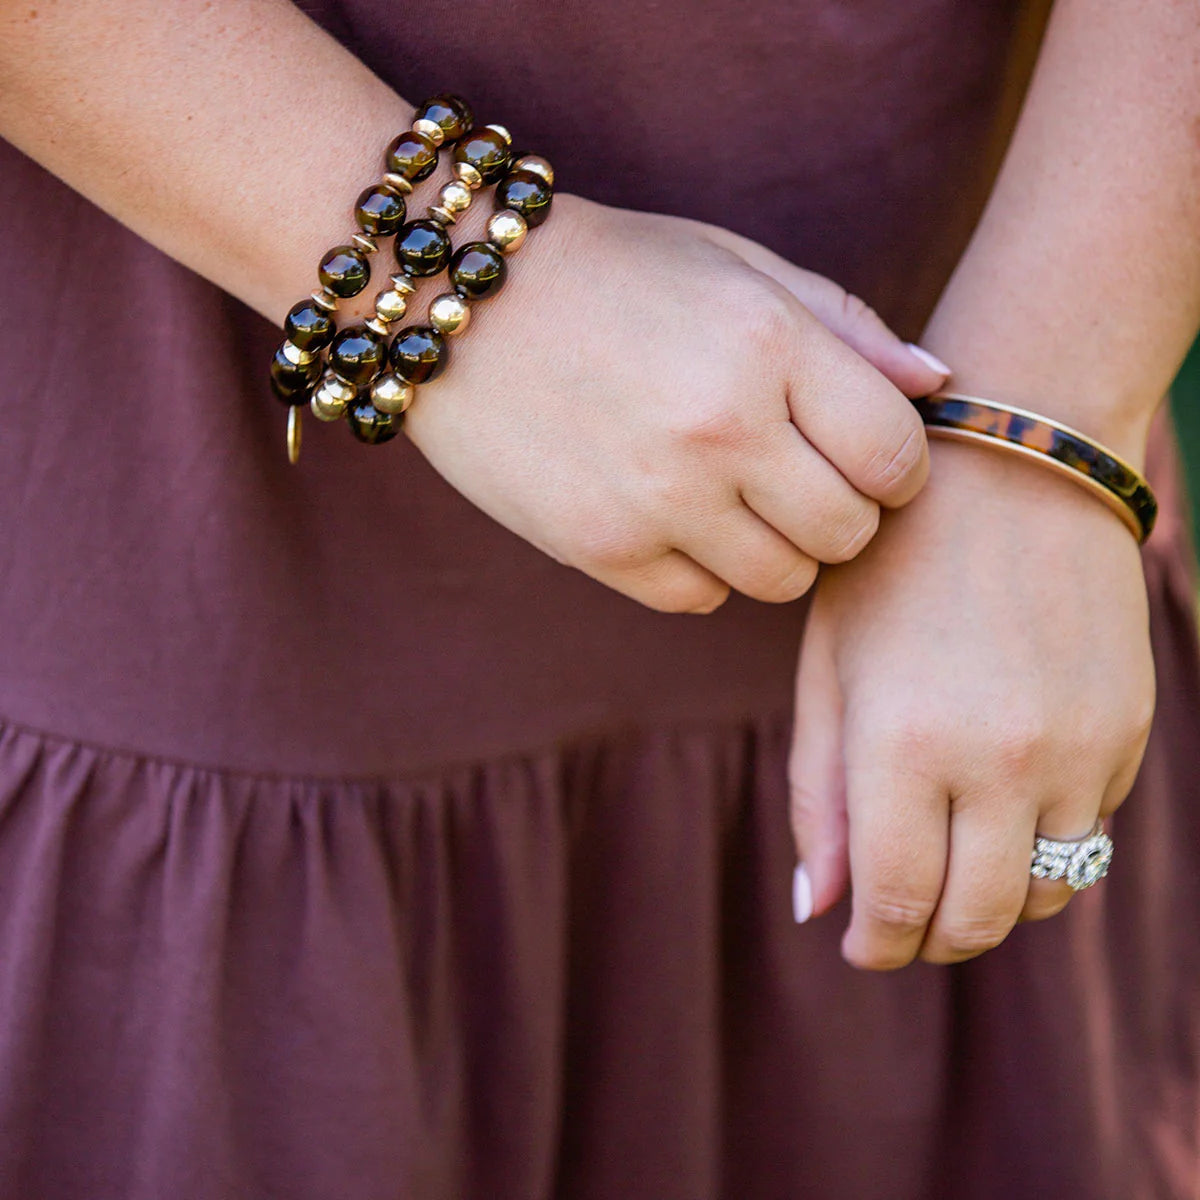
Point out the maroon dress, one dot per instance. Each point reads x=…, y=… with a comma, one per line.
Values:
x=350, y=848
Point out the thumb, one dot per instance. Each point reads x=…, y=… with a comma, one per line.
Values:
x=816, y=778
x=914, y=371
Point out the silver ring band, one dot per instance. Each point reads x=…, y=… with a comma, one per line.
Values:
x=1081, y=862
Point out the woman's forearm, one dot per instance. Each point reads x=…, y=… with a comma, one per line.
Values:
x=232, y=134
x=1080, y=291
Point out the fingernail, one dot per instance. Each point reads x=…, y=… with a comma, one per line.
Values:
x=931, y=361
x=802, y=897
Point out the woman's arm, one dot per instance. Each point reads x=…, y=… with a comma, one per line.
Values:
x=1080, y=292
x=226, y=133
x=738, y=446
x=984, y=670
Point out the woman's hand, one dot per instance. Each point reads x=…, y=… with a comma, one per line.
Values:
x=982, y=672
x=676, y=411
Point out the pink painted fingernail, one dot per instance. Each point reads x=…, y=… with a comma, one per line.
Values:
x=802, y=895
x=930, y=360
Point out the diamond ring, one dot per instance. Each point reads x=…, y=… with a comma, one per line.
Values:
x=1080, y=862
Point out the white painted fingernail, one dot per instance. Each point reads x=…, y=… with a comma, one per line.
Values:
x=802, y=897
x=930, y=360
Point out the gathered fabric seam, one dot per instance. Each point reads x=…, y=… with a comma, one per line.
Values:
x=431, y=775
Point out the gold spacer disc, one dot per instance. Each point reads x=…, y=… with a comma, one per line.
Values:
x=397, y=183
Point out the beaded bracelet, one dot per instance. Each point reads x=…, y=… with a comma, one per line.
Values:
x=356, y=384
x=345, y=270
x=1058, y=446
x=419, y=353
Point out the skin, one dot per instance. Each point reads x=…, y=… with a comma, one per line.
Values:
x=754, y=436
x=984, y=670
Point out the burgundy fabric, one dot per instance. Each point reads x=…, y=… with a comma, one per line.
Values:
x=351, y=848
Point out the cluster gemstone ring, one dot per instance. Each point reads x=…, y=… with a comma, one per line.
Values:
x=1081, y=861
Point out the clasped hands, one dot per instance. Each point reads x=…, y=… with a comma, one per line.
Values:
x=677, y=411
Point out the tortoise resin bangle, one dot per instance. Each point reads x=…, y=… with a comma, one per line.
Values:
x=418, y=354
x=1063, y=449
x=344, y=271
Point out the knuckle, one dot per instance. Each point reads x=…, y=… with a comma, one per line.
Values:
x=803, y=803
x=797, y=580
x=891, y=464
x=898, y=911
x=768, y=322
x=610, y=544
x=964, y=937
x=708, y=422
x=855, y=310
x=853, y=534
x=1042, y=908
x=911, y=735
x=1017, y=748
x=876, y=957
x=686, y=596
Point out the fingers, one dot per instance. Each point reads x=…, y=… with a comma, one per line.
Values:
x=816, y=777
x=899, y=831
x=914, y=372
x=845, y=406
x=748, y=554
x=791, y=487
x=852, y=415
x=987, y=878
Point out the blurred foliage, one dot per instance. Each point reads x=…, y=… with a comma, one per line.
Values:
x=1185, y=407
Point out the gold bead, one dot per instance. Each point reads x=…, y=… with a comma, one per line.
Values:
x=455, y=196
x=378, y=325
x=294, y=354
x=468, y=175
x=293, y=433
x=325, y=299
x=431, y=129
x=403, y=283
x=538, y=165
x=329, y=401
x=449, y=313
x=506, y=230
x=440, y=215
x=365, y=243
x=391, y=395
x=397, y=183
x=391, y=305
x=502, y=132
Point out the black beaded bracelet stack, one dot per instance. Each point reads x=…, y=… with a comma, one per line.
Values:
x=368, y=379
x=345, y=270
x=419, y=353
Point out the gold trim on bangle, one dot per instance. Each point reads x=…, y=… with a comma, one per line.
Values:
x=1064, y=450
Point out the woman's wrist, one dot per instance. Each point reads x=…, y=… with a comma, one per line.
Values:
x=1077, y=393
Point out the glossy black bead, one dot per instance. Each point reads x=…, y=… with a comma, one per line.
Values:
x=357, y=354
x=452, y=113
x=370, y=425
x=309, y=326
x=526, y=193
x=418, y=354
x=412, y=155
x=422, y=248
x=486, y=151
x=292, y=383
x=344, y=271
x=477, y=271
x=379, y=210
